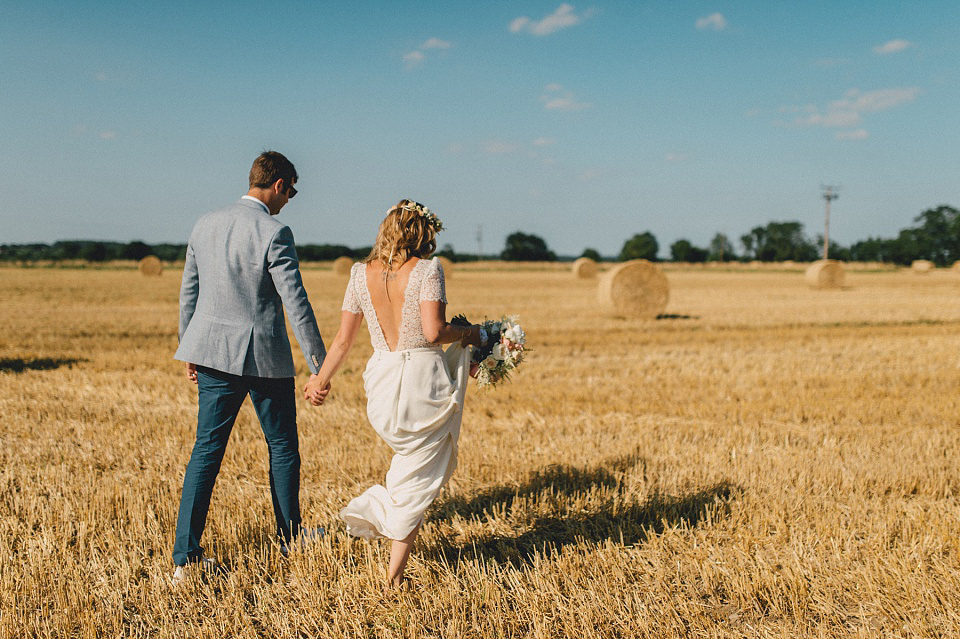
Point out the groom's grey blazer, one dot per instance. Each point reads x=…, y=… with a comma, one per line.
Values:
x=241, y=265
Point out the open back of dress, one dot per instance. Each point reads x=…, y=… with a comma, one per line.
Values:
x=415, y=404
x=426, y=284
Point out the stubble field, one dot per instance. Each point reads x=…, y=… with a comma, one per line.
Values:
x=768, y=461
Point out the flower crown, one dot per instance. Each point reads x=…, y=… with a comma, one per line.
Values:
x=423, y=212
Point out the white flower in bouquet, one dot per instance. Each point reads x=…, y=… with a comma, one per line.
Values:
x=490, y=362
x=500, y=352
x=515, y=334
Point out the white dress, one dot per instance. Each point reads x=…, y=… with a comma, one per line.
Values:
x=414, y=402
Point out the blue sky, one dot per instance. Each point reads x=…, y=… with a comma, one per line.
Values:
x=582, y=123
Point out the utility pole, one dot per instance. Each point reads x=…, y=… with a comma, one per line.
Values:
x=828, y=195
x=479, y=242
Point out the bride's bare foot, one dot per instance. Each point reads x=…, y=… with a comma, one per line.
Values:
x=399, y=553
x=397, y=586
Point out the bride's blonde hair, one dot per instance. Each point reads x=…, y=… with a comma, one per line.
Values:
x=409, y=230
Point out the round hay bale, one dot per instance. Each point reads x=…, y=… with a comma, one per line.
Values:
x=637, y=288
x=825, y=274
x=585, y=268
x=151, y=266
x=922, y=266
x=447, y=265
x=342, y=265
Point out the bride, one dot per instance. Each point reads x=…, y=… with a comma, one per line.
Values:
x=415, y=389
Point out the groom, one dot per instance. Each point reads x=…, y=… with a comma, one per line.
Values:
x=241, y=265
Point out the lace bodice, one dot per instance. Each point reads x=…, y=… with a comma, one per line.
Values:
x=426, y=284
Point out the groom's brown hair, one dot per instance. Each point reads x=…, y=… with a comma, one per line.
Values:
x=269, y=167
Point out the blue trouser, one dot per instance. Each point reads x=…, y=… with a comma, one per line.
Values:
x=220, y=398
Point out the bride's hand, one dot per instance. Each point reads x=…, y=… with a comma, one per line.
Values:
x=314, y=392
x=472, y=336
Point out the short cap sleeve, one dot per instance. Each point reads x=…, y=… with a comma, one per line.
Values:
x=350, y=302
x=433, y=288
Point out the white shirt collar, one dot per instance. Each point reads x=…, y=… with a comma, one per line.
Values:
x=250, y=197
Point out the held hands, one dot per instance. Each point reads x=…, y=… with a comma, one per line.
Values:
x=315, y=392
x=192, y=372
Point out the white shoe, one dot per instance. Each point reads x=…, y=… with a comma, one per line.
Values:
x=206, y=565
x=307, y=536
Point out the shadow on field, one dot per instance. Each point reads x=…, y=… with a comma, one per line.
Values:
x=610, y=518
x=666, y=316
x=567, y=480
x=18, y=364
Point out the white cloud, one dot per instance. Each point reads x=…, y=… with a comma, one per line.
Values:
x=413, y=58
x=556, y=99
x=518, y=24
x=101, y=76
x=562, y=18
x=416, y=57
x=565, y=104
x=848, y=111
x=544, y=142
x=858, y=134
x=79, y=129
x=714, y=21
x=108, y=135
x=879, y=100
x=832, y=118
x=893, y=46
x=676, y=157
x=436, y=43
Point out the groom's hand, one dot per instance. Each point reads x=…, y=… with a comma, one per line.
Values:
x=192, y=372
x=314, y=393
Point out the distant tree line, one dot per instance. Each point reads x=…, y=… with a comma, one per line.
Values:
x=935, y=236
x=90, y=250
x=97, y=251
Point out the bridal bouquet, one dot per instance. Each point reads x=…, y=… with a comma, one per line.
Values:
x=503, y=351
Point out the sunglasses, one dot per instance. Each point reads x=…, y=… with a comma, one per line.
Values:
x=291, y=192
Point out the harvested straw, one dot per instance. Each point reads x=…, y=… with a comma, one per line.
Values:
x=922, y=266
x=151, y=266
x=342, y=265
x=825, y=274
x=636, y=288
x=447, y=265
x=584, y=268
x=956, y=265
